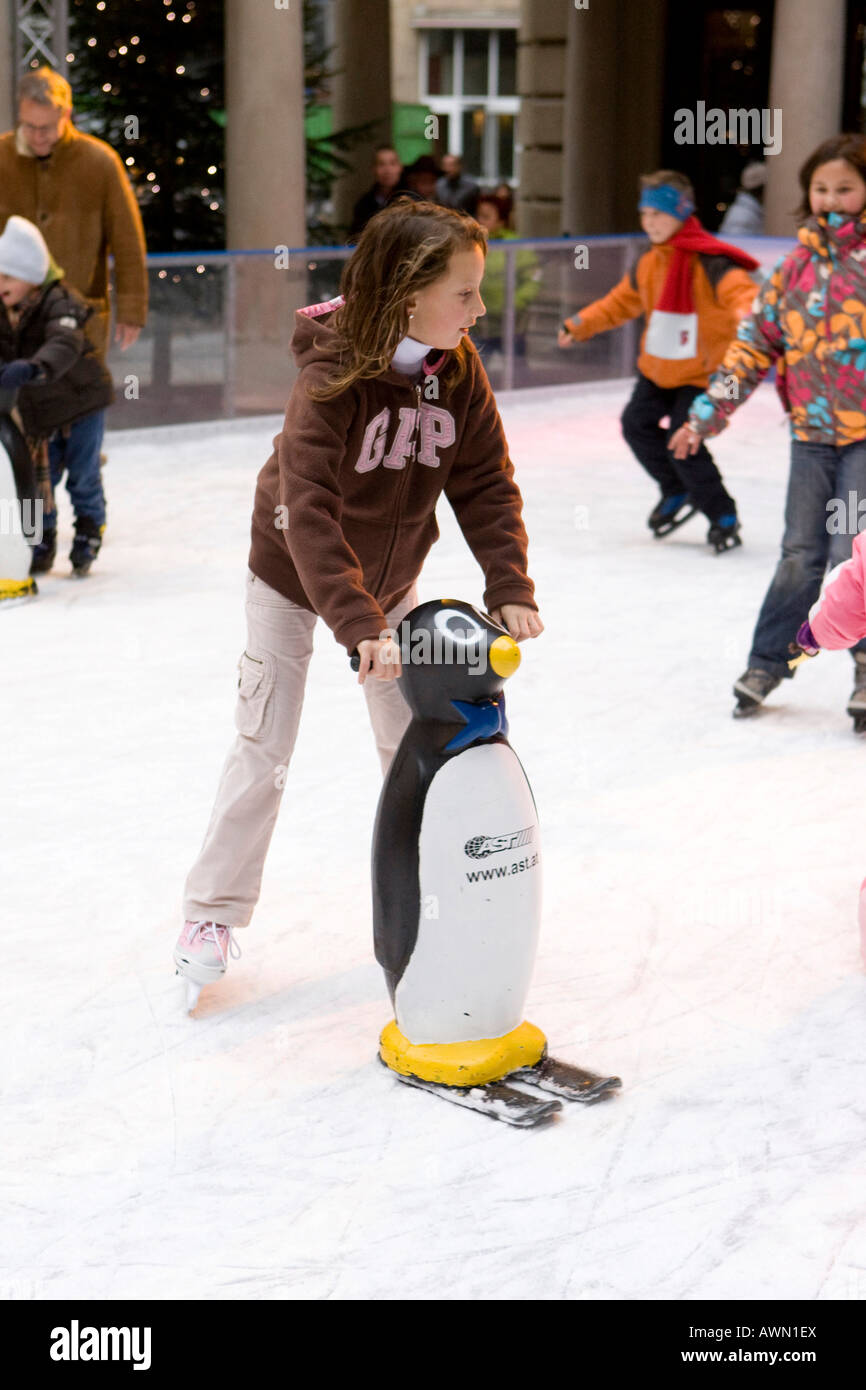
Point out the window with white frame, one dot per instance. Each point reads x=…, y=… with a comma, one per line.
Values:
x=468, y=78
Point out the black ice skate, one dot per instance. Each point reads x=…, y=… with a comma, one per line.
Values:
x=671, y=512
x=44, y=552
x=752, y=689
x=724, y=534
x=86, y=545
x=857, y=702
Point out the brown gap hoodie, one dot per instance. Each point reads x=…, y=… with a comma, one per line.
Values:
x=344, y=508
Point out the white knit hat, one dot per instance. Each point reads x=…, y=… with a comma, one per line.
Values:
x=23, y=253
x=753, y=176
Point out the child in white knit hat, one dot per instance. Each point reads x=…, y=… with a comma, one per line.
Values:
x=47, y=359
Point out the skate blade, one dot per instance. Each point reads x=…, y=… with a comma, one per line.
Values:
x=192, y=990
x=747, y=710
x=667, y=527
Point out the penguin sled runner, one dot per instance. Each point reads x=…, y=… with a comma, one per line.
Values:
x=457, y=882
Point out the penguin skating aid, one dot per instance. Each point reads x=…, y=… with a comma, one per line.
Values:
x=17, y=508
x=457, y=881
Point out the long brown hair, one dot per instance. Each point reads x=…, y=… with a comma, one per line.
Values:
x=403, y=249
x=851, y=148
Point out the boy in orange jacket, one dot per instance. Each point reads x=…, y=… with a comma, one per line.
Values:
x=693, y=290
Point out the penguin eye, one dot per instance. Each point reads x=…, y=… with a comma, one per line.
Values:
x=460, y=627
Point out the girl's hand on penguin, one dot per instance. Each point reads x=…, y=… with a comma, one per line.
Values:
x=564, y=339
x=684, y=442
x=519, y=621
x=380, y=659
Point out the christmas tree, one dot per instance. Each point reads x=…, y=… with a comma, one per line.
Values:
x=147, y=77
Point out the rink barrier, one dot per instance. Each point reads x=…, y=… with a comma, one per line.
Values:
x=216, y=345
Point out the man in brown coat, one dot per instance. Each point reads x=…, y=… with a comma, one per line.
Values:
x=74, y=188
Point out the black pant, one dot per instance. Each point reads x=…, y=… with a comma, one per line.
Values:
x=696, y=475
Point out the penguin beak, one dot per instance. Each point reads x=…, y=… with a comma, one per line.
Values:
x=504, y=656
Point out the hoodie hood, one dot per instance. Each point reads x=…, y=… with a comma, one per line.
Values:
x=316, y=340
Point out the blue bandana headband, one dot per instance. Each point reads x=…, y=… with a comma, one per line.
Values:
x=666, y=198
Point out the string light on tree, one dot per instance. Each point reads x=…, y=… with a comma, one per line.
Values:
x=111, y=82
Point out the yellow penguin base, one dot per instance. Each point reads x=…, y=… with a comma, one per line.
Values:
x=463, y=1063
x=17, y=588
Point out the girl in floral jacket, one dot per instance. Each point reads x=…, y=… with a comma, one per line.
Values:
x=810, y=320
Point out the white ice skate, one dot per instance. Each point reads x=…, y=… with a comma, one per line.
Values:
x=201, y=956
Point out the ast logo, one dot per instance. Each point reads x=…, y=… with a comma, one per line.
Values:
x=481, y=845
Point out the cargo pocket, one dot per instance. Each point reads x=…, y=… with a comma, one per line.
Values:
x=254, y=712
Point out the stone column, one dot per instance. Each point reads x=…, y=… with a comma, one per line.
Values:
x=540, y=82
x=264, y=72
x=806, y=78
x=612, y=114
x=265, y=195
x=361, y=90
x=8, y=75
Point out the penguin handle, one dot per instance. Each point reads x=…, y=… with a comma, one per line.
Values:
x=355, y=660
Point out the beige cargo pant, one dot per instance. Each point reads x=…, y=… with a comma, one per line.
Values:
x=225, y=880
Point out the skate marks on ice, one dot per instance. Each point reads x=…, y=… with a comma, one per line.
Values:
x=732, y=1165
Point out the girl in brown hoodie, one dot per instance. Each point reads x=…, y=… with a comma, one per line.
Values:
x=391, y=408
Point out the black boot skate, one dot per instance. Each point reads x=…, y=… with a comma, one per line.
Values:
x=44, y=552
x=857, y=702
x=670, y=513
x=752, y=689
x=86, y=545
x=724, y=534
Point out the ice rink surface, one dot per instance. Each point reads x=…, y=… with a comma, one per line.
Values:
x=699, y=932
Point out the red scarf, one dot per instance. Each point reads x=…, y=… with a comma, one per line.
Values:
x=676, y=296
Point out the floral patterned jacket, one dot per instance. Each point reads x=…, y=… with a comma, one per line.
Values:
x=809, y=317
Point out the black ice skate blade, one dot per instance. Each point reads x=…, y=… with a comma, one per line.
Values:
x=746, y=709
x=729, y=543
x=495, y=1099
x=567, y=1081
x=666, y=527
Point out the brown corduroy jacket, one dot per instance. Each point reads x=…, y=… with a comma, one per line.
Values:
x=345, y=507
x=81, y=200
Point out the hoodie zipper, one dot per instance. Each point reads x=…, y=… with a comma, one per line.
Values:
x=401, y=489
